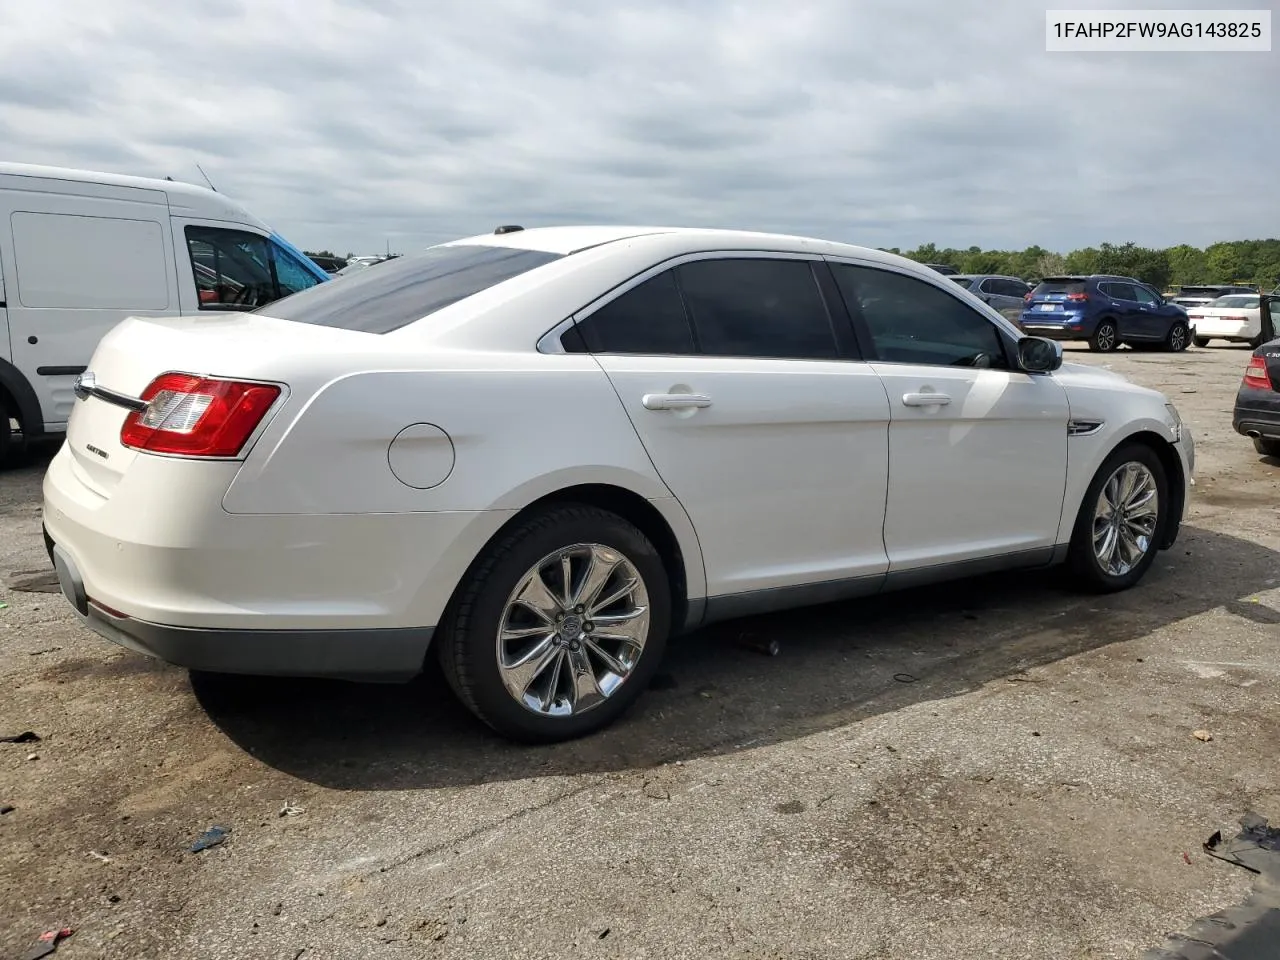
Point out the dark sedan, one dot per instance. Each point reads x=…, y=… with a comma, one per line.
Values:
x=1257, y=412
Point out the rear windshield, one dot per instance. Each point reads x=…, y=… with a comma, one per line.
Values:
x=1046, y=287
x=390, y=295
x=1238, y=301
x=1199, y=291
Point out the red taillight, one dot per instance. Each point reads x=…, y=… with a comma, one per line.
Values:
x=197, y=416
x=1255, y=375
x=1077, y=296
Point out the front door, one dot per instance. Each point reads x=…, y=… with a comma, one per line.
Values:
x=977, y=450
x=1155, y=318
x=756, y=416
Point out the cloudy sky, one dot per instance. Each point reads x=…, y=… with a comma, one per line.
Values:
x=348, y=124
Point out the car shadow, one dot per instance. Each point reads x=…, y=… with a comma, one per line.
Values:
x=837, y=663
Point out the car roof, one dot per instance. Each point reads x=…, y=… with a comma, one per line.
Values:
x=572, y=239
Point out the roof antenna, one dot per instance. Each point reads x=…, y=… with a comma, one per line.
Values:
x=206, y=178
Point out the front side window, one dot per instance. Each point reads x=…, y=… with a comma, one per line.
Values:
x=911, y=321
x=1012, y=288
x=1143, y=295
x=757, y=307
x=648, y=319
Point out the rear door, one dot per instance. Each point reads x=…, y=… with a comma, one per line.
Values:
x=1124, y=307
x=750, y=400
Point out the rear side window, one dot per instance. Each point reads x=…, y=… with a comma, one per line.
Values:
x=755, y=307
x=394, y=294
x=648, y=319
x=1120, y=291
x=1046, y=287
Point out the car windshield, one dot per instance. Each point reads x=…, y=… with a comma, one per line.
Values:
x=963, y=281
x=407, y=288
x=1046, y=287
x=1238, y=301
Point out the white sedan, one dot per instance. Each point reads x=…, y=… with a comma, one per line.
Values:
x=539, y=454
x=1236, y=318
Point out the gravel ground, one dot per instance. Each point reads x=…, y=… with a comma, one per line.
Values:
x=1028, y=786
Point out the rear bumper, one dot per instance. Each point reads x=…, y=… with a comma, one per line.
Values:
x=158, y=566
x=1257, y=411
x=386, y=655
x=1080, y=330
x=1224, y=330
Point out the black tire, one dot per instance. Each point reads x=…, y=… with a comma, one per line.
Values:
x=6, y=436
x=1200, y=341
x=466, y=641
x=1106, y=338
x=1178, y=337
x=1267, y=446
x=1084, y=563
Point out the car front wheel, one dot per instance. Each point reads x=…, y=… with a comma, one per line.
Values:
x=1178, y=337
x=1121, y=520
x=559, y=626
x=1105, y=338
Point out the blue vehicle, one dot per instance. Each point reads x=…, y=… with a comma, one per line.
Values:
x=1106, y=311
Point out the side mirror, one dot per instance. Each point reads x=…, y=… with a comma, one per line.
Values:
x=1039, y=355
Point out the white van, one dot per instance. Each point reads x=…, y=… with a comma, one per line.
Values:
x=80, y=251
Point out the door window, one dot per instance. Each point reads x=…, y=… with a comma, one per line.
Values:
x=648, y=319
x=911, y=321
x=756, y=307
x=239, y=270
x=1122, y=291
x=1144, y=296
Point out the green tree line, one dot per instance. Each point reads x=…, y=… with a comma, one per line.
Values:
x=1236, y=261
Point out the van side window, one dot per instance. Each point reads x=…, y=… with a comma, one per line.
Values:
x=238, y=270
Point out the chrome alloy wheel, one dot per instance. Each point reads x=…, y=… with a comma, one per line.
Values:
x=1124, y=522
x=573, y=630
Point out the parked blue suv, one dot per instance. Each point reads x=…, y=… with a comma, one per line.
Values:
x=1106, y=311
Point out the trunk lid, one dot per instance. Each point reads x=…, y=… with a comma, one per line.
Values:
x=140, y=349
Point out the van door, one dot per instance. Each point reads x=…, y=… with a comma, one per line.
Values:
x=80, y=265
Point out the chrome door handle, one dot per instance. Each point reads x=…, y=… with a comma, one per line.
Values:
x=674, y=401
x=925, y=399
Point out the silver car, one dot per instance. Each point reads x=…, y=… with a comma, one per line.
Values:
x=1006, y=294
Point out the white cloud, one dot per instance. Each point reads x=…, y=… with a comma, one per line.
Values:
x=347, y=124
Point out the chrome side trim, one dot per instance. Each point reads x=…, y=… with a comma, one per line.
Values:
x=1082, y=428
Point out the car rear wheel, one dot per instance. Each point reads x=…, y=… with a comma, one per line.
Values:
x=1104, y=339
x=1201, y=341
x=1121, y=520
x=559, y=625
x=1178, y=337
x=1267, y=446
